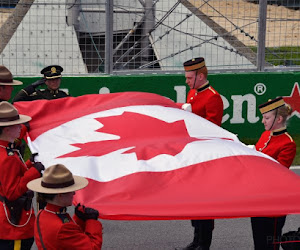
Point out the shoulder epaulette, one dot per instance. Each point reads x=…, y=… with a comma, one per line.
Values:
x=287, y=134
x=33, y=94
x=212, y=90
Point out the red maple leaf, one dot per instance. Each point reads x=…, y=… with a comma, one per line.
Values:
x=294, y=98
x=147, y=137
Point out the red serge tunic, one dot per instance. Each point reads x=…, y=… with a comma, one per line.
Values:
x=59, y=231
x=207, y=103
x=279, y=145
x=14, y=176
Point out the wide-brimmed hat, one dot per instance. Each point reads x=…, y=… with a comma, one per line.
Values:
x=194, y=64
x=52, y=71
x=9, y=115
x=271, y=105
x=6, y=77
x=57, y=179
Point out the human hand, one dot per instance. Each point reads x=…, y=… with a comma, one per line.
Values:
x=91, y=214
x=86, y=213
x=33, y=156
x=39, y=167
x=27, y=125
x=38, y=83
x=187, y=107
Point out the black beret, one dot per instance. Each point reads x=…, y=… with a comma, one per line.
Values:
x=52, y=71
x=194, y=64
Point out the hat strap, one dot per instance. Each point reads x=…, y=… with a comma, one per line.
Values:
x=274, y=119
x=9, y=119
x=57, y=185
x=195, y=79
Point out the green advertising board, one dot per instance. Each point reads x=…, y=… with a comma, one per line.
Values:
x=241, y=93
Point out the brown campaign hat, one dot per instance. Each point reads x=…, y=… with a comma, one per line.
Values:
x=271, y=105
x=52, y=71
x=194, y=64
x=6, y=77
x=9, y=115
x=57, y=179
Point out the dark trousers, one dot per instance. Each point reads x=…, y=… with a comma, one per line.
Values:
x=267, y=232
x=25, y=244
x=204, y=230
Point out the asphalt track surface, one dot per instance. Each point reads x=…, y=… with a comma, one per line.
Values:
x=228, y=234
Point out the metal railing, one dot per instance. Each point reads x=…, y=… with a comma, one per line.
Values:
x=149, y=36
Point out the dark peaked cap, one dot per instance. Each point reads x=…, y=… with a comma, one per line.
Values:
x=52, y=71
x=194, y=64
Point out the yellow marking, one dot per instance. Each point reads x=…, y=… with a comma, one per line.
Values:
x=272, y=106
x=17, y=245
x=289, y=136
x=194, y=67
x=212, y=90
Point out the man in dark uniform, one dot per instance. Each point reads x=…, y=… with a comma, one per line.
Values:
x=52, y=79
x=7, y=83
x=206, y=102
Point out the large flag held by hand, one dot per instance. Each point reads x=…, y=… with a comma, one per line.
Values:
x=147, y=159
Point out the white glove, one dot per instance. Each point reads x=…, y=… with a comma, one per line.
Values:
x=187, y=107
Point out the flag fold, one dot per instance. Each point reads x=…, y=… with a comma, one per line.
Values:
x=147, y=159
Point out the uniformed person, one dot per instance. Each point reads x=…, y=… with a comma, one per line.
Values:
x=52, y=80
x=277, y=143
x=7, y=83
x=16, y=212
x=54, y=228
x=204, y=99
x=206, y=102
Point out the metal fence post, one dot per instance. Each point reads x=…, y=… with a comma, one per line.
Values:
x=149, y=23
x=109, y=12
x=262, y=35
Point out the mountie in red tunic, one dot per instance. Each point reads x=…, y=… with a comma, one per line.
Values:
x=279, y=145
x=59, y=231
x=14, y=176
x=207, y=103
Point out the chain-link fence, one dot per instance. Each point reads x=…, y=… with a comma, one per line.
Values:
x=121, y=36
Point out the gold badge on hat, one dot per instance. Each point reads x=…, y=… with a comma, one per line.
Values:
x=53, y=70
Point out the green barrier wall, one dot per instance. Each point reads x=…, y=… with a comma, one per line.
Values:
x=241, y=93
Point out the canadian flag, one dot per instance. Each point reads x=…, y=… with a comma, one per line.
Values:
x=145, y=158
